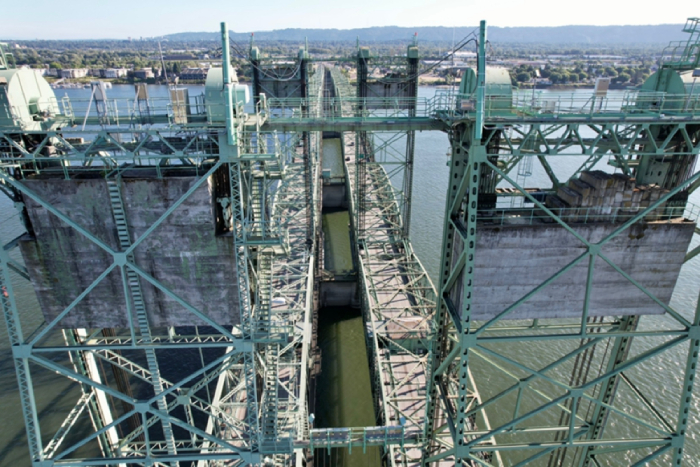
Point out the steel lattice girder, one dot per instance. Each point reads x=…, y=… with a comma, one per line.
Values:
x=452, y=397
x=398, y=312
x=104, y=347
x=467, y=160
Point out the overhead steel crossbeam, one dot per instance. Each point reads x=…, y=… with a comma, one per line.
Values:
x=112, y=152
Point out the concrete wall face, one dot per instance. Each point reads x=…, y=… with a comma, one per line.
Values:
x=387, y=90
x=183, y=253
x=513, y=260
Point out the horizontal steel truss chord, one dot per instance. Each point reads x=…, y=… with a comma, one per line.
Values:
x=148, y=148
x=628, y=138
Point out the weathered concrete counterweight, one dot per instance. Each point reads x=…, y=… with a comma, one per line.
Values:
x=514, y=259
x=184, y=253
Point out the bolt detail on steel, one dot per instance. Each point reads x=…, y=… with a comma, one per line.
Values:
x=175, y=248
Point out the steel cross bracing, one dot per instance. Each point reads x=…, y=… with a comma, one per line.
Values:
x=40, y=346
x=291, y=286
x=583, y=399
x=156, y=148
x=563, y=408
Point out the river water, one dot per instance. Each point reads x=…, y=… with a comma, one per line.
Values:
x=55, y=395
x=344, y=393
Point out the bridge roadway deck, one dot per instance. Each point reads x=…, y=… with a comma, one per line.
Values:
x=399, y=303
x=398, y=306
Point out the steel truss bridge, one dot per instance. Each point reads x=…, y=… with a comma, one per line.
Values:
x=438, y=367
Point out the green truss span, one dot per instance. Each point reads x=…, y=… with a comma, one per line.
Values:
x=439, y=363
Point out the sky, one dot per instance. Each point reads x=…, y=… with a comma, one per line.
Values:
x=83, y=19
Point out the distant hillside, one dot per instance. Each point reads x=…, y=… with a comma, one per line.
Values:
x=657, y=34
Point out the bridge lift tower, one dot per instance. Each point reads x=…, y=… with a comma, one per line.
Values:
x=172, y=248
x=188, y=235
x=556, y=308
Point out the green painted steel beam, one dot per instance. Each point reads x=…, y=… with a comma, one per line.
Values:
x=356, y=124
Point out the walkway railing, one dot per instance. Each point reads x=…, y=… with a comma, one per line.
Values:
x=360, y=437
x=519, y=105
x=522, y=104
x=371, y=107
x=129, y=111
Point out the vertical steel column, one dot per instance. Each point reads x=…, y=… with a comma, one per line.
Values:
x=306, y=141
x=477, y=156
x=442, y=344
x=468, y=158
x=255, y=65
x=20, y=354
x=480, y=83
x=238, y=227
x=412, y=94
x=231, y=132
x=4, y=64
x=678, y=440
x=361, y=144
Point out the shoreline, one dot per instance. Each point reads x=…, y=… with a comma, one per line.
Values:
x=436, y=84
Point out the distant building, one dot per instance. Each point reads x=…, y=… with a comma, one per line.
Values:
x=144, y=73
x=180, y=56
x=114, y=73
x=194, y=74
x=74, y=73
